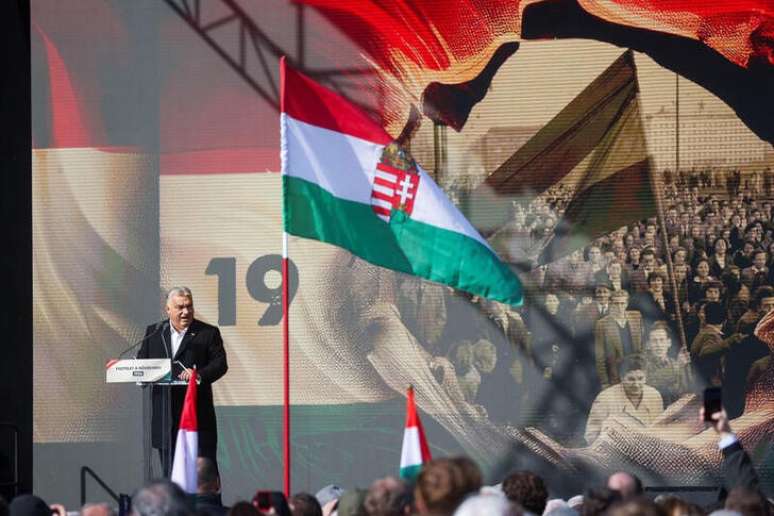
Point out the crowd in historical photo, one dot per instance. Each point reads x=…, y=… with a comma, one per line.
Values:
x=628, y=324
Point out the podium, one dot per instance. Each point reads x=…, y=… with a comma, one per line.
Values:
x=156, y=373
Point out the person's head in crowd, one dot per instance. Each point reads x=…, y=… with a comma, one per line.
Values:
x=614, y=270
x=471, y=473
x=635, y=506
x=551, y=302
x=634, y=254
x=97, y=509
x=304, y=504
x=628, y=240
x=243, y=509
x=619, y=301
x=351, y=503
x=602, y=291
x=743, y=294
x=271, y=502
x=29, y=505
x=748, y=247
x=484, y=356
x=763, y=299
x=767, y=300
x=697, y=231
x=463, y=356
x=633, y=377
x=207, y=477
x=160, y=498
x=388, y=497
x=747, y=502
x=487, y=505
x=726, y=234
x=656, y=284
x=681, y=272
x=625, y=483
x=443, y=484
x=576, y=256
x=713, y=290
x=649, y=240
x=685, y=218
x=759, y=259
x=594, y=255
x=714, y=314
x=719, y=246
x=674, y=506
x=674, y=243
x=702, y=269
x=659, y=340
x=597, y=501
x=526, y=489
x=648, y=259
x=328, y=496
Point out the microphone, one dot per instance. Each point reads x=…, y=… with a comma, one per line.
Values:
x=159, y=326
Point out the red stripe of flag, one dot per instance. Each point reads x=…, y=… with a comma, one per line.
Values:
x=306, y=101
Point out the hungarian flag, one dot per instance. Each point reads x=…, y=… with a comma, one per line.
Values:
x=187, y=445
x=347, y=183
x=415, y=451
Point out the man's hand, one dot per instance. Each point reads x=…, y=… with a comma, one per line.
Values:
x=185, y=375
x=720, y=422
x=58, y=510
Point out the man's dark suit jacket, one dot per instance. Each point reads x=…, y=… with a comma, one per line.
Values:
x=202, y=346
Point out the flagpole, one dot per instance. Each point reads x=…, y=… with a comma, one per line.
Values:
x=285, y=366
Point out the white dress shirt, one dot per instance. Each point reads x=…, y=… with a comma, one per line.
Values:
x=177, y=338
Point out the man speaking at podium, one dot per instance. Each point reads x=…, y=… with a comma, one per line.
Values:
x=188, y=343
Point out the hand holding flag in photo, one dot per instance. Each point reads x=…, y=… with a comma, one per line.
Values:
x=346, y=182
x=187, y=445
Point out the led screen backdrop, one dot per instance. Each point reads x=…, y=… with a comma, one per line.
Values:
x=156, y=160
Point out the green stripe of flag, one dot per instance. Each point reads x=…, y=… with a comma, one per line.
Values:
x=404, y=244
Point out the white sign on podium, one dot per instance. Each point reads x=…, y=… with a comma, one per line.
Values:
x=139, y=370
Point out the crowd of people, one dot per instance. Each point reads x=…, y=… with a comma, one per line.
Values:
x=444, y=486
x=635, y=320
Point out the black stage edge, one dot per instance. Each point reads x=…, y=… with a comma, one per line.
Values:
x=16, y=254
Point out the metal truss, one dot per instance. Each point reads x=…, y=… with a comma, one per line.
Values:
x=255, y=46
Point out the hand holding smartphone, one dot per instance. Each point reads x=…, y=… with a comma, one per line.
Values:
x=713, y=402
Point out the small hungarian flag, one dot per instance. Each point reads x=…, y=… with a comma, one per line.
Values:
x=346, y=182
x=187, y=445
x=415, y=451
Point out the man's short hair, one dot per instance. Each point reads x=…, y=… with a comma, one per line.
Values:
x=747, y=502
x=635, y=507
x=634, y=362
x=715, y=284
x=597, y=501
x=444, y=483
x=527, y=489
x=387, y=497
x=304, y=504
x=179, y=291
x=160, y=498
x=207, y=477
x=648, y=250
x=714, y=313
x=656, y=275
x=760, y=294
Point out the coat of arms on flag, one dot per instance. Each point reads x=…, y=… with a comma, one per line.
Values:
x=395, y=183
